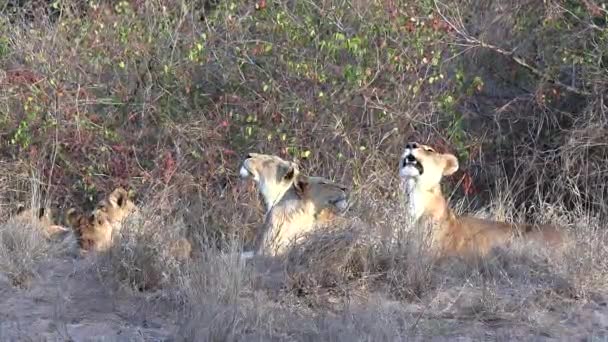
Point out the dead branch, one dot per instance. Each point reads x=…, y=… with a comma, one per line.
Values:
x=471, y=41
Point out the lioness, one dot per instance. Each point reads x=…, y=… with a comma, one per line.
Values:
x=295, y=203
x=422, y=169
x=42, y=216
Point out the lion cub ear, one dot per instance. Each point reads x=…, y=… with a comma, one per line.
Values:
x=41, y=212
x=71, y=217
x=20, y=209
x=451, y=164
x=118, y=198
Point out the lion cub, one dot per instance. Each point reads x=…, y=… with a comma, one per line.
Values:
x=422, y=169
x=44, y=217
x=295, y=203
x=95, y=231
x=117, y=206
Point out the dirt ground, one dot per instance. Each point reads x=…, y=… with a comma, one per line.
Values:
x=68, y=302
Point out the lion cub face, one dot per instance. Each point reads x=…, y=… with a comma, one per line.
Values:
x=425, y=166
x=117, y=205
x=93, y=231
x=329, y=198
x=272, y=175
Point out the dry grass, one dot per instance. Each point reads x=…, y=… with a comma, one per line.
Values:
x=141, y=258
x=166, y=99
x=350, y=281
x=23, y=244
x=22, y=247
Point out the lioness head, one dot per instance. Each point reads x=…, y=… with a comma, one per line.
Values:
x=93, y=231
x=273, y=175
x=329, y=198
x=425, y=166
x=117, y=205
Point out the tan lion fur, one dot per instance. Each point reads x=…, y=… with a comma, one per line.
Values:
x=422, y=169
x=42, y=216
x=117, y=206
x=180, y=249
x=295, y=203
x=95, y=231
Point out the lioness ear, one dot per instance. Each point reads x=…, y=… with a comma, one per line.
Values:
x=451, y=164
x=287, y=172
x=302, y=185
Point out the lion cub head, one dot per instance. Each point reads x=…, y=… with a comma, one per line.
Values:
x=93, y=231
x=425, y=166
x=273, y=175
x=329, y=198
x=42, y=216
x=117, y=206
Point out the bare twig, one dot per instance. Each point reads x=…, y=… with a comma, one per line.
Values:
x=471, y=41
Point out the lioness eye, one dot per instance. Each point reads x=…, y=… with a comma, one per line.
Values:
x=430, y=150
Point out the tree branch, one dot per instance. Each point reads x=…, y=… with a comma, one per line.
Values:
x=458, y=27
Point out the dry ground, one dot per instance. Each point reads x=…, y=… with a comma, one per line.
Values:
x=344, y=284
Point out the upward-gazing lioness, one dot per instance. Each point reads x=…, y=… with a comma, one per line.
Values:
x=295, y=203
x=422, y=169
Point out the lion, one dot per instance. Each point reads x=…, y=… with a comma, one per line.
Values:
x=94, y=232
x=44, y=217
x=97, y=230
x=295, y=204
x=422, y=169
x=117, y=206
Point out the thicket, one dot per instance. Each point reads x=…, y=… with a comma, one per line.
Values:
x=162, y=94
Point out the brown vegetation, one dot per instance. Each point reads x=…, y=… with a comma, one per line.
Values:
x=165, y=98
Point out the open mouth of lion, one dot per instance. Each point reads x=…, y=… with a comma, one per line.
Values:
x=244, y=172
x=411, y=166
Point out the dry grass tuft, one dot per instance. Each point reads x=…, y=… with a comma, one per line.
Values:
x=330, y=257
x=141, y=257
x=23, y=245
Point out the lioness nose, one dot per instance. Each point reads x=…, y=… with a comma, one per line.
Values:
x=411, y=145
x=410, y=158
